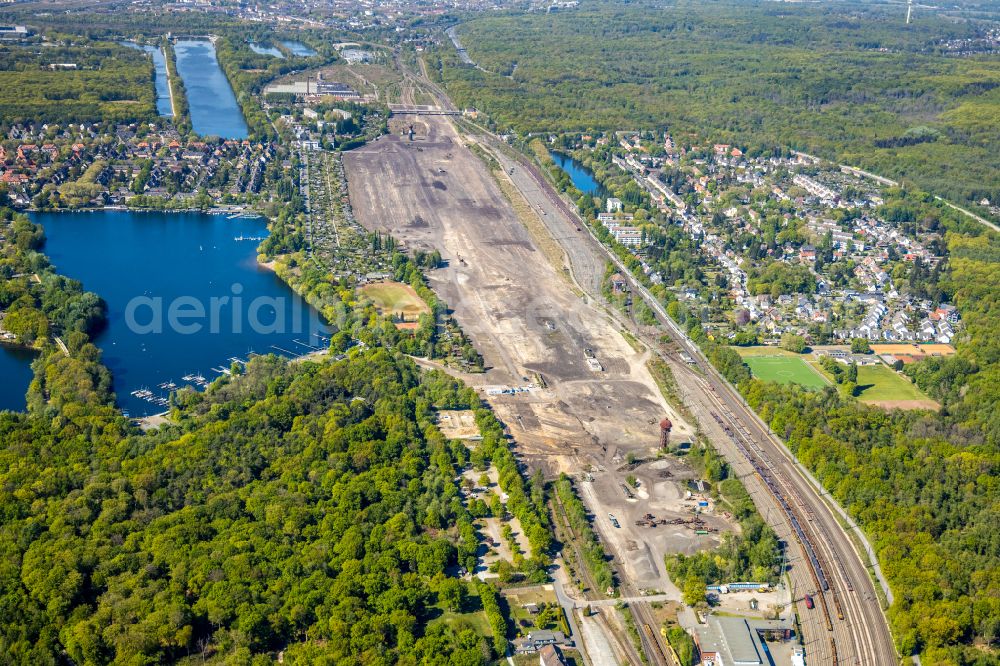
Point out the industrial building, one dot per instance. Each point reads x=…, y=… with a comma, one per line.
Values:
x=13, y=32
x=319, y=86
x=356, y=56
x=736, y=641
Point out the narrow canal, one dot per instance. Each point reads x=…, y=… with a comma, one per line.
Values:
x=160, y=80
x=214, y=110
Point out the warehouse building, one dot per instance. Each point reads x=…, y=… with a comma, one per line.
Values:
x=736, y=641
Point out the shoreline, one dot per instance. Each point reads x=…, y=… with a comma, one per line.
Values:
x=152, y=421
x=20, y=346
x=239, y=212
x=258, y=259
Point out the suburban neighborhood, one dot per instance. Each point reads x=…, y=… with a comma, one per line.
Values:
x=799, y=246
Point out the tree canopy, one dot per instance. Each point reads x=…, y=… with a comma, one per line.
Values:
x=309, y=508
x=843, y=81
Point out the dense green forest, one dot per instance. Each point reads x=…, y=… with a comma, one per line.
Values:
x=310, y=508
x=35, y=309
x=843, y=81
x=925, y=490
x=111, y=82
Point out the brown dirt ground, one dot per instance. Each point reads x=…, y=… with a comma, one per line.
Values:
x=434, y=193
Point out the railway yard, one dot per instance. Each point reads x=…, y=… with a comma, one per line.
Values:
x=848, y=625
x=593, y=334
x=535, y=334
x=578, y=398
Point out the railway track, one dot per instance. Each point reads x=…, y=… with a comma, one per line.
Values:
x=649, y=637
x=588, y=580
x=654, y=646
x=856, y=628
x=862, y=636
x=850, y=621
x=787, y=498
x=581, y=564
x=804, y=513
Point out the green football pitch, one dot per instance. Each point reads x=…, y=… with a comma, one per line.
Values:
x=785, y=370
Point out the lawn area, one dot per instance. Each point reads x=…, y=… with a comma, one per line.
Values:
x=395, y=298
x=524, y=621
x=474, y=619
x=878, y=384
x=785, y=368
x=881, y=386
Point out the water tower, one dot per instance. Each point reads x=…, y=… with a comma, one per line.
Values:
x=665, y=427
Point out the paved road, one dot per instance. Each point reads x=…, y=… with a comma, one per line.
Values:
x=568, y=604
x=969, y=213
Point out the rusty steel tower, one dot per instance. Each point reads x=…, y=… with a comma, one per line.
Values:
x=665, y=427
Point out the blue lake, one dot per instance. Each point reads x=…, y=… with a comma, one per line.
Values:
x=183, y=295
x=15, y=375
x=159, y=76
x=298, y=48
x=582, y=177
x=214, y=111
x=266, y=50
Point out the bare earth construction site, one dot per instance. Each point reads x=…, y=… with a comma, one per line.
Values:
x=578, y=398
x=590, y=400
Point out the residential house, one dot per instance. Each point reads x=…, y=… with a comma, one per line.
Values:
x=536, y=640
x=550, y=655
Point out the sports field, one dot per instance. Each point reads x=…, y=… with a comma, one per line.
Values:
x=785, y=370
x=881, y=386
x=396, y=298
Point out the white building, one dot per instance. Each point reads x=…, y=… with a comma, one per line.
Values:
x=628, y=236
x=814, y=188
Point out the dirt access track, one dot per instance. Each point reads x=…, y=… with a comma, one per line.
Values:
x=526, y=320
